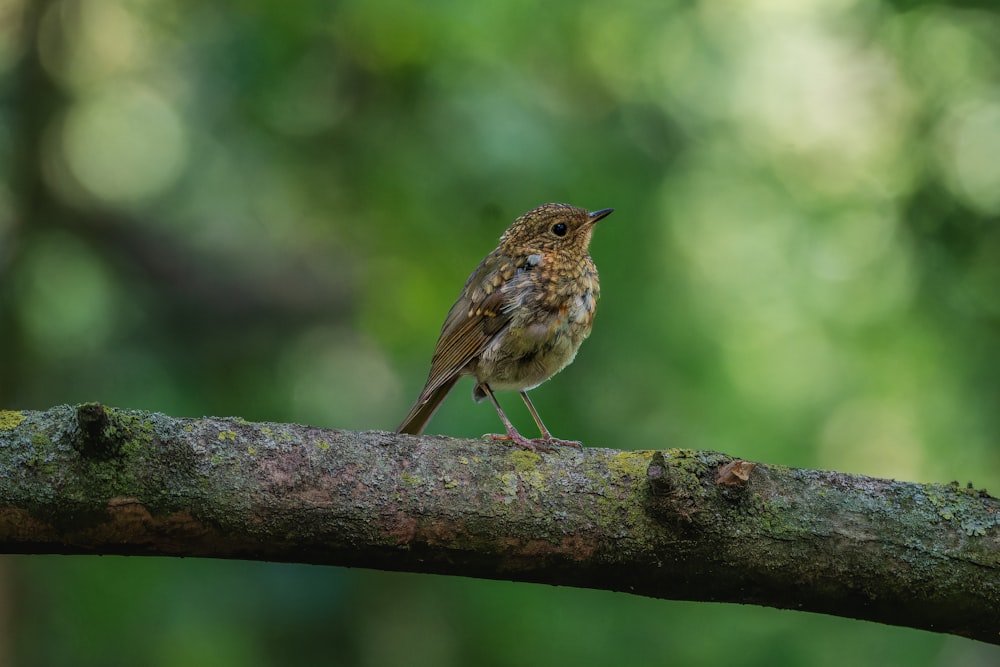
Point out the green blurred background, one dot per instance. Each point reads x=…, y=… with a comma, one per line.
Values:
x=266, y=209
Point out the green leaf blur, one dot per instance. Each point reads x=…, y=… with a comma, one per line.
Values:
x=265, y=209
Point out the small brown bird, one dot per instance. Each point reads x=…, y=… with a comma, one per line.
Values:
x=520, y=318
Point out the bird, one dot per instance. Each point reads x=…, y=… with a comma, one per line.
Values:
x=520, y=319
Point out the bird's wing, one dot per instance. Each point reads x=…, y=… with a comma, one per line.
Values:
x=481, y=312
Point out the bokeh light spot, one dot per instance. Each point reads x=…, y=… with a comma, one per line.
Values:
x=970, y=149
x=337, y=378
x=125, y=144
x=873, y=437
x=68, y=304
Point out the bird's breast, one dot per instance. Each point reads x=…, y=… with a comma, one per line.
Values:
x=551, y=313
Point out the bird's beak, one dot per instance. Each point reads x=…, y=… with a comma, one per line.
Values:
x=599, y=215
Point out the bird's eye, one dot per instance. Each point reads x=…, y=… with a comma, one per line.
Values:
x=559, y=229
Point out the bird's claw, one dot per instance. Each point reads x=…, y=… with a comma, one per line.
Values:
x=534, y=444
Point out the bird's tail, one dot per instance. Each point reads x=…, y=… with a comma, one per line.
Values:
x=424, y=408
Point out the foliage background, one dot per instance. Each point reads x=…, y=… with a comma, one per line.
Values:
x=266, y=208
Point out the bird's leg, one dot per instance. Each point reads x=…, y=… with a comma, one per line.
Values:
x=512, y=433
x=534, y=413
x=546, y=436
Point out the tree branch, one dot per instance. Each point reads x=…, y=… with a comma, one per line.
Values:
x=674, y=524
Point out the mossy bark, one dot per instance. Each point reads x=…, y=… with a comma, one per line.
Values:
x=672, y=524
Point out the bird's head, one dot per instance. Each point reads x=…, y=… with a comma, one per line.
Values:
x=557, y=228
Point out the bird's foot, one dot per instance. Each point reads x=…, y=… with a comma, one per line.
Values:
x=575, y=444
x=534, y=444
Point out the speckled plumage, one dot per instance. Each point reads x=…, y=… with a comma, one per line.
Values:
x=521, y=317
